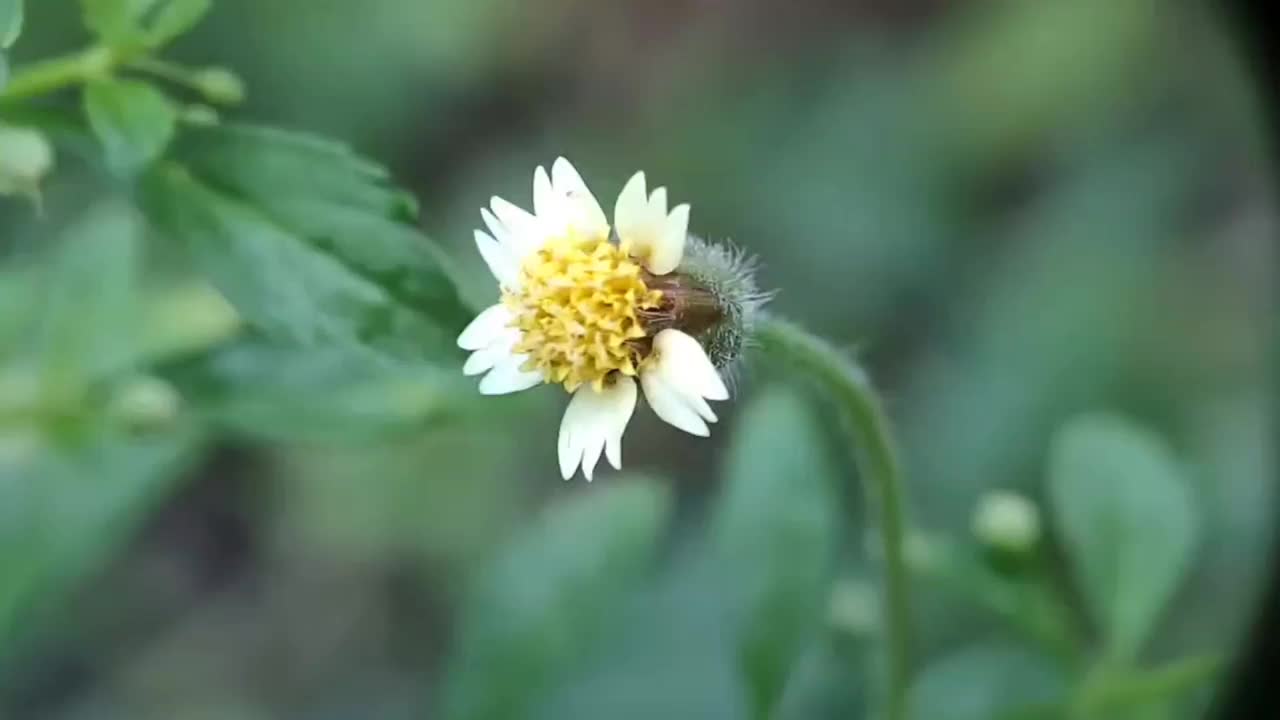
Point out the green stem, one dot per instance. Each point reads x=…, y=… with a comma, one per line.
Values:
x=878, y=467
x=46, y=76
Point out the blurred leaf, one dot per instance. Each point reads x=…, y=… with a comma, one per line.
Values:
x=417, y=508
x=63, y=513
x=88, y=321
x=776, y=527
x=175, y=18
x=10, y=23
x=984, y=682
x=18, y=284
x=534, y=612
x=1128, y=519
x=669, y=653
x=1119, y=692
x=133, y=120
x=308, y=243
x=1014, y=72
x=325, y=395
x=1030, y=342
x=147, y=23
x=113, y=20
x=184, y=319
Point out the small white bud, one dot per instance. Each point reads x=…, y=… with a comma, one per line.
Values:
x=25, y=158
x=854, y=607
x=146, y=403
x=1006, y=522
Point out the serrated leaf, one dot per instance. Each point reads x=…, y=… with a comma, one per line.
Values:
x=309, y=243
x=1128, y=519
x=535, y=611
x=67, y=509
x=133, y=120
x=11, y=16
x=985, y=682
x=87, y=317
x=776, y=532
x=282, y=285
x=339, y=202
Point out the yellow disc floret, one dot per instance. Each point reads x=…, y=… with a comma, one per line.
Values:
x=579, y=311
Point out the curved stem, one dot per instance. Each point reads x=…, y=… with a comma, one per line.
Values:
x=47, y=76
x=878, y=467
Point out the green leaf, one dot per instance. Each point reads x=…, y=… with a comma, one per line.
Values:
x=1120, y=691
x=984, y=682
x=665, y=654
x=87, y=318
x=321, y=395
x=133, y=120
x=175, y=18
x=11, y=14
x=1128, y=519
x=534, y=612
x=143, y=23
x=62, y=513
x=309, y=243
x=115, y=21
x=339, y=202
x=776, y=530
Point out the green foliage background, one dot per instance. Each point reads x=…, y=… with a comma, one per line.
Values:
x=242, y=477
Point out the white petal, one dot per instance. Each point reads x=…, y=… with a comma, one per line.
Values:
x=669, y=404
x=496, y=228
x=654, y=237
x=631, y=210
x=544, y=196
x=668, y=247
x=486, y=327
x=564, y=448
x=496, y=353
x=525, y=234
x=685, y=366
x=507, y=377
x=593, y=423
x=480, y=361
x=499, y=259
x=658, y=202
x=584, y=212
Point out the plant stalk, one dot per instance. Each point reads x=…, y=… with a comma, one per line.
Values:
x=46, y=76
x=877, y=462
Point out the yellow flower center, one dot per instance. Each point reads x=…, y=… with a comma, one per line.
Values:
x=579, y=311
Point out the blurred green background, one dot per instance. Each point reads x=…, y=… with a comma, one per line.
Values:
x=1011, y=212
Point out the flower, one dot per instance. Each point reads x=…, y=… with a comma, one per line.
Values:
x=595, y=309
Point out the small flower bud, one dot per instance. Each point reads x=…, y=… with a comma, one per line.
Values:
x=1007, y=522
x=200, y=115
x=220, y=85
x=854, y=607
x=146, y=403
x=25, y=158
